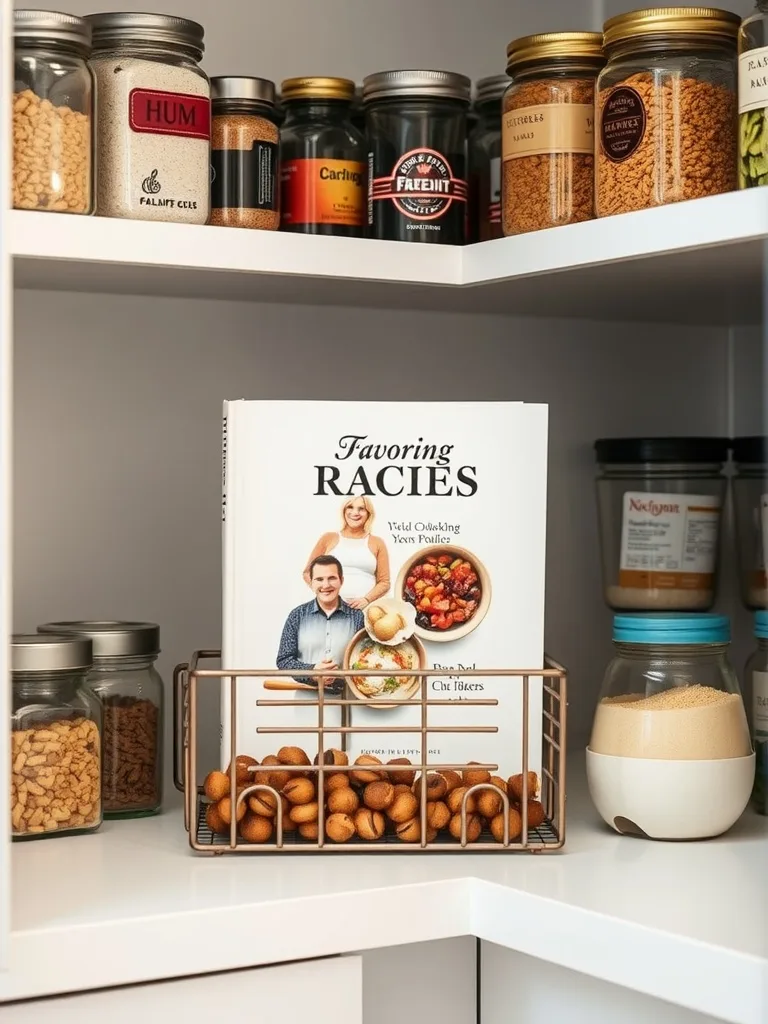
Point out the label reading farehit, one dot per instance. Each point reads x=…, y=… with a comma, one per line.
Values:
x=494, y=205
x=322, y=192
x=421, y=186
x=669, y=541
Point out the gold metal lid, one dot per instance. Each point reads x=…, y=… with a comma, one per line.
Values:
x=317, y=89
x=658, y=23
x=585, y=48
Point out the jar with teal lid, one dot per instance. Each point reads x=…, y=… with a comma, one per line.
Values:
x=670, y=756
x=757, y=679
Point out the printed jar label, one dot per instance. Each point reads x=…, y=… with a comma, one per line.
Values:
x=494, y=206
x=169, y=113
x=753, y=80
x=421, y=186
x=622, y=123
x=323, y=192
x=548, y=128
x=245, y=179
x=669, y=541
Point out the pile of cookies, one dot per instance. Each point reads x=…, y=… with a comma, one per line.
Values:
x=366, y=802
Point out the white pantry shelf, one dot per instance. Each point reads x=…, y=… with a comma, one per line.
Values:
x=695, y=262
x=681, y=922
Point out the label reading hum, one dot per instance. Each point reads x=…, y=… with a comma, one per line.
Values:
x=494, y=205
x=669, y=541
x=548, y=128
x=323, y=192
x=622, y=123
x=753, y=79
x=245, y=179
x=421, y=186
x=169, y=113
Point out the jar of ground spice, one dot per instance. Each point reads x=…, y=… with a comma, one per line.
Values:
x=666, y=117
x=153, y=125
x=244, y=151
x=322, y=159
x=131, y=692
x=485, y=160
x=548, y=130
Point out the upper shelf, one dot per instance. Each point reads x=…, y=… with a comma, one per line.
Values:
x=668, y=264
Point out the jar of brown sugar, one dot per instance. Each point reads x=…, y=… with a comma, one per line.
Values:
x=244, y=148
x=547, y=133
x=666, y=108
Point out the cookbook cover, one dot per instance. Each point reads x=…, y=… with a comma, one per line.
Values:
x=385, y=535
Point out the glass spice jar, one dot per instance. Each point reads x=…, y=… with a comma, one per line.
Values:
x=757, y=677
x=125, y=679
x=322, y=159
x=750, y=507
x=485, y=161
x=52, y=113
x=548, y=130
x=666, y=108
x=753, y=97
x=244, y=151
x=56, y=723
x=153, y=126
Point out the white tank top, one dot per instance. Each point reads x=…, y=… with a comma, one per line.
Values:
x=359, y=565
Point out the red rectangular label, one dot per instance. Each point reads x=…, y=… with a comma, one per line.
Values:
x=169, y=113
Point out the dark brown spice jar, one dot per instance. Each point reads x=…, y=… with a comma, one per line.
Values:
x=485, y=161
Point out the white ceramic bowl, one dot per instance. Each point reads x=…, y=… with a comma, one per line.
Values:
x=670, y=799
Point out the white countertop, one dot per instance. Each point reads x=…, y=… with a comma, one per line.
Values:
x=685, y=922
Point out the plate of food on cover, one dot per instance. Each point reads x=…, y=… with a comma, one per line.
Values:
x=450, y=590
x=363, y=652
x=390, y=620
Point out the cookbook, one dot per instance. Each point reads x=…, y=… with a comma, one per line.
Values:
x=390, y=536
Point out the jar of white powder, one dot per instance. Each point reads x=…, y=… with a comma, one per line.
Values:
x=659, y=503
x=750, y=506
x=153, y=118
x=670, y=756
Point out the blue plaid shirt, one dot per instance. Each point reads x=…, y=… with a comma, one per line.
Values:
x=310, y=636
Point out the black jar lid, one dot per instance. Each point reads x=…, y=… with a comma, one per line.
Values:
x=406, y=85
x=750, y=449
x=661, y=449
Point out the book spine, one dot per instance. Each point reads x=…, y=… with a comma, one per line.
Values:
x=227, y=578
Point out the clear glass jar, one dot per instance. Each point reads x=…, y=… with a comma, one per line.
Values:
x=548, y=137
x=757, y=679
x=666, y=108
x=323, y=159
x=750, y=506
x=753, y=98
x=153, y=127
x=659, y=504
x=52, y=113
x=485, y=161
x=56, y=724
x=125, y=679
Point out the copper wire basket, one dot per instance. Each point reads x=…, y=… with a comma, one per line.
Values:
x=547, y=837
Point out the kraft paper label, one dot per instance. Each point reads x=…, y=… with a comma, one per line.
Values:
x=548, y=128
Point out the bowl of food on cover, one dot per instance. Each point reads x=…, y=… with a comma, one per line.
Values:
x=450, y=589
x=363, y=652
x=390, y=620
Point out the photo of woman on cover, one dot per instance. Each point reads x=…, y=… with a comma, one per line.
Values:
x=364, y=557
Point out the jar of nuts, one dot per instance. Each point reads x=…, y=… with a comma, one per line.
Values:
x=52, y=113
x=55, y=737
x=666, y=110
x=131, y=691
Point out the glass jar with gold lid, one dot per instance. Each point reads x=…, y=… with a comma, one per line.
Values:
x=666, y=108
x=548, y=130
x=323, y=159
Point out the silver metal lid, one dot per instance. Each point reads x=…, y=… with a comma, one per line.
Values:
x=52, y=27
x=111, y=638
x=491, y=88
x=254, y=90
x=33, y=652
x=112, y=29
x=444, y=85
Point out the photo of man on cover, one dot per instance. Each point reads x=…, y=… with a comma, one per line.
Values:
x=316, y=634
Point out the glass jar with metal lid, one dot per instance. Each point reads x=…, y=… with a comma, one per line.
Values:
x=52, y=113
x=154, y=119
x=125, y=679
x=756, y=685
x=666, y=110
x=56, y=724
x=750, y=507
x=322, y=159
x=244, y=150
x=548, y=130
x=659, y=503
x=485, y=160
x=417, y=136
